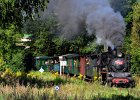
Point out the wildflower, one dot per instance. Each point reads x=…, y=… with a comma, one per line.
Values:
x=95, y=78
x=80, y=76
x=56, y=88
x=18, y=74
x=56, y=74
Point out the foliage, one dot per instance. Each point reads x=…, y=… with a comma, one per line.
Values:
x=8, y=77
x=47, y=39
x=128, y=19
x=131, y=43
x=123, y=6
x=90, y=47
x=135, y=38
x=43, y=36
x=15, y=11
x=11, y=55
x=16, y=63
x=82, y=44
x=126, y=45
x=2, y=63
x=33, y=79
x=12, y=15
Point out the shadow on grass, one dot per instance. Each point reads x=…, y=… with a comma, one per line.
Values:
x=46, y=96
x=32, y=82
x=40, y=82
x=117, y=97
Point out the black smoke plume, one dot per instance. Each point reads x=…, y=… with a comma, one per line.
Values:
x=96, y=15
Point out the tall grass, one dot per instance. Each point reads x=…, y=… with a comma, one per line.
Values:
x=86, y=91
x=69, y=89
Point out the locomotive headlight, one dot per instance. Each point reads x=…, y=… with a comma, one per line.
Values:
x=119, y=54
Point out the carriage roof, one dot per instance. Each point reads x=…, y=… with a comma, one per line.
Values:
x=70, y=55
x=43, y=57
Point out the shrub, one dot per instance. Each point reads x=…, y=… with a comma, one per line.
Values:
x=8, y=77
x=16, y=63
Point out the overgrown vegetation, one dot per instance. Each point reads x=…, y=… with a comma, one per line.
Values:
x=10, y=55
x=135, y=39
x=41, y=86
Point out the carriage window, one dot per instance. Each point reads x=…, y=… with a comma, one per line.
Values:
x=37, y=62
x=56, y=62
x=87, y=61
x=46, y=62
x=51, y=61
x=76, y=62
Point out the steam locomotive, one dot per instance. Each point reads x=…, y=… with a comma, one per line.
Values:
x=114, y=68
x=111, y=67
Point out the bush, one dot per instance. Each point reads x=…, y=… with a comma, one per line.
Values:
x=8, y=77
x=16, y=63
x=33, y=79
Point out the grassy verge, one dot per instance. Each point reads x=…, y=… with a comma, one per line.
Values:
x=69, y=89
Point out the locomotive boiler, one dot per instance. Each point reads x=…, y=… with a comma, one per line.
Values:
x=114, y=68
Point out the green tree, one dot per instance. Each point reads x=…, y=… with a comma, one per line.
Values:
x=47, y=39
x=44, y=35
x=135, y=39
x=84, y=44
x=12, y=15
x=128, y=19
x=15, y=11
x=11, y=55
x=123, y=6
